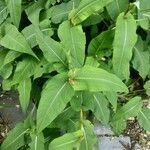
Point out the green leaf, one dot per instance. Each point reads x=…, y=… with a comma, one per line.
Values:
x=95, y=79
x=60, y=12
x=30, y=34
x=52, y=50
x=33, y=11
x=14, y=8
x=101, y=42
x=118, y=126
x=6, y=71
x=54, y=98
x=112, y=98
x=43, y=67
x=66, y=120
x=144, y=14
x=87, y=8
x=101, y=110
x=68, y=141
x=91, y=61
x=141, y=59
x=3, y=11
x=37, y=141
x=82, y=100
x=116, y=7
x=15, y=138
x=14, y=40
x=147, y=87
x=88, y=135
x=144, y=118
x=24, y=69
x=125, y=39
x=24, y=90
x=73, y=39
x=131, y=109
x=11, y=56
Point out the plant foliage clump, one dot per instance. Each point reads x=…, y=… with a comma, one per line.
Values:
x=76, y=61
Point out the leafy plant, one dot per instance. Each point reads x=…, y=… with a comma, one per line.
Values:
x=76, y=61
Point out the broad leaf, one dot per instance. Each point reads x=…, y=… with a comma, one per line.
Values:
x=140, y=59
x=14, y=40
x=116, y=7
x=15, y=138
x=125, y=39
x=73, y=39
x=89, y=138
x=101, y=42
x=24, y=89
x=52, y=50
x=3, y=11
x=87, y=8
x=14, y=7
x=147, y=87
x=144, y=118
x=37, y=141
x=54, y=98
x=101, y=110
x=95, y=79
x=131, y=109
x=68, y=141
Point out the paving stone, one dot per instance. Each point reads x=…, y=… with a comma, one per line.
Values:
x=113, y=143
x=100, y=129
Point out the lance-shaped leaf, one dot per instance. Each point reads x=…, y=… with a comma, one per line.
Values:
x=147, y=87
x=11, y=56
x=112, y=98
x=24, y=69
x=101, y=110
x=52, y=50
x=24, y=89
x=15, y=138
x=14, y=40
x=73, y=38
x=116, y=7
x=33, y=11
x=68, y=141
x=95, y=79
x=125, y=39
x=60, y=12
x=89, y=138
x=15, y=11
x=30, y=35
x=131, y=109
x=144, y=118
x=3, y=11
x=101, y=42
x=87, y=8
x=37, y=141
x=140, y=59
x=54, y=98
x=118, y=126
x=82, y=100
